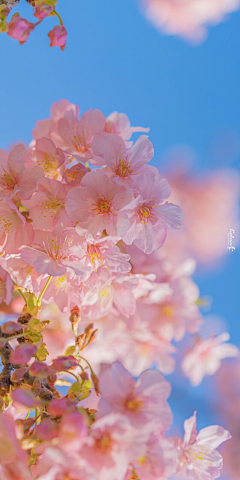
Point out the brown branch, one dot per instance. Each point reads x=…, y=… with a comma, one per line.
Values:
x=5, y=375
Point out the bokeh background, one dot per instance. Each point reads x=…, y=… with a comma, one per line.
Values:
x=188, y=95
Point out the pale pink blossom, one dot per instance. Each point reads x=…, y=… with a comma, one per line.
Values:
x=188, y=18
x=77, y=134
x=15, y=230
x=119, y=123
x=46, y=155
x=149, y=218
x=209, y=202
x=142, y=402
x=72, y=432
x=112, y=445
x=47, y=206
x=114, y=291
x=205, y=358
x=22, y=274
x=55, y=253
x=159, y=461
x=98, y=204
x=14, y=177
x=65, y=291
x=122, y=164
x=103, y=253
x=199, y=457
x=47, y=128
x=15, y=471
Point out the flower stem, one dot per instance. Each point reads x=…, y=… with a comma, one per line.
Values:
x=20, y=291
x=60, y=20
x=44, y=289
x=86, y=362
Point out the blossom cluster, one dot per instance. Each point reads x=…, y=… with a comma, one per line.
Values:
x=83, y=221
x=19, y=28
x=188, y=18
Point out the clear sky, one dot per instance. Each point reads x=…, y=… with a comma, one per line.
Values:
x=115, y=60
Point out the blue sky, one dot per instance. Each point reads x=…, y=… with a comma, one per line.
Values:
x=115, y=60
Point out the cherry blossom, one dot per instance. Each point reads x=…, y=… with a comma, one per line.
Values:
x=148, y=218
x=188, y=18
x=205, y=358
x=54, y=253
x=14, y=177
x=199, y=456
x=98, y=204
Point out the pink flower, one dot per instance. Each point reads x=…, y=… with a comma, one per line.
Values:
x=122, y=164
x=159, y=461
x=14, y=177
x=19, y=28
x=47, y=206
x=97, y=205
x=76, y=135
x=55, y=253
x=6, y=288
x=188, y=18
x=47, y=156
x=208, y=202
x=43, y=10
x=15, y=471
x=113, y=291
x=199, y=457
x=112, y=446
x=47, y=128
x=65, y=291
x=72, y=432
x=58, y=36
x=148, y=218
x=206, y=356
x=142, y=402
x=15, y=231
x=119, y=123
x=103, y=253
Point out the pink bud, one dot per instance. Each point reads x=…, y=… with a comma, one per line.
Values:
x=11, y=327
x=63, y=364
x=20, y=29
x=23, y=353
x=74, y=175
x=39, y=369
x=42, y=11
x=58, y=36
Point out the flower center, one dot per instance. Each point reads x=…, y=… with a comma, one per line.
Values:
x=123, y=166
x=61, y=284
x=50, y=165
x=57, y=248
x=8, y=179
x=133, y=404
x=110, y=127
x=168, y=311
x=51, y=205
x=145, y=214
x=95, y=255
x=103, y=205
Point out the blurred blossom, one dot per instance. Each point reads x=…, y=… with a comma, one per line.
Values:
x=210, y=205
x=188, y=18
